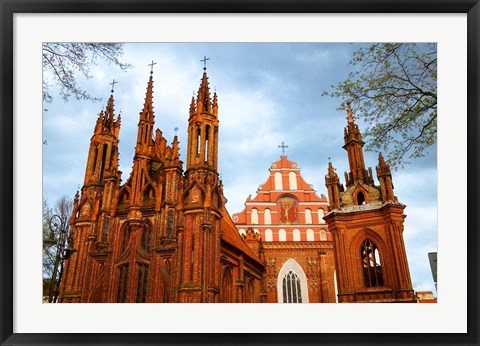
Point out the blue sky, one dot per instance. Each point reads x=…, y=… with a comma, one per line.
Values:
x=268, y=93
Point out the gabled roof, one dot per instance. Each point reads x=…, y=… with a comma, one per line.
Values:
x=231, y=236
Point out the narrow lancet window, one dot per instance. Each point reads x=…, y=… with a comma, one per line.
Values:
x=292, y=292
x=372, y=269
x=122, y=284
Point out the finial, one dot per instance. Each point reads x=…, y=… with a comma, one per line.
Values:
x=331, y=169
x=151, y=66
x=175, y=129
x=381, y=160
x=349, y=113
x=329, y=159
x=283, y=146
x=205, y=62
x=113, y=84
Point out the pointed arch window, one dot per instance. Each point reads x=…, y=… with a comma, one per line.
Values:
x=292, y=291
x=198, y=140
x=360, y=198
x=170, y=223
x=142, y=283
x=227, y=288
x=207, y=137
x=122, y=284
x=372, y=269
x=102, y=163
x=126, y=237
x=147, y=237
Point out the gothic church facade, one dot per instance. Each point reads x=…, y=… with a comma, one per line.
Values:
x=165, y=235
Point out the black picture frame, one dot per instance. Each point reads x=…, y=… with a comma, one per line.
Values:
x=10, y=7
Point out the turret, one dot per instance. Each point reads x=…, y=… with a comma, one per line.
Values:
x=146, y=122
x=353, y=146
x=384, y=176
x=203, y=129
x=102, y=159
x=333, y=186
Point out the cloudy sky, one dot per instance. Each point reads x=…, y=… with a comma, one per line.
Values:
x=268, y=93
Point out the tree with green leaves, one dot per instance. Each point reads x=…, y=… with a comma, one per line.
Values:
x=393, y=89
x=63, y=61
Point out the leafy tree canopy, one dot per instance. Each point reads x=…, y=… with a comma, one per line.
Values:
x=393, y=89
x=62, y=62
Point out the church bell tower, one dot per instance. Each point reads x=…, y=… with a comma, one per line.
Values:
x=199, y=240
x=366, y=222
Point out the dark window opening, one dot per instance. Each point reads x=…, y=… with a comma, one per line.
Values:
x=95, y=154
x=122, y=284
x=102, y=164
x=126, y=236
x=106, y=226
x=372, y=269
x=207, y=134
x=147, y=237
x=360, y=198
x=227, y=286
x=170, y=223
x=198, y=141
x=142, y=283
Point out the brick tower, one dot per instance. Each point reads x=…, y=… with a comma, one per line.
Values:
x=366, y=222
x=199, y=240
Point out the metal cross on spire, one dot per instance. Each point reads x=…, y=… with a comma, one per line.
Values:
x=113, y=84
x=151, y=66
x=205, y=62
x=283, y=146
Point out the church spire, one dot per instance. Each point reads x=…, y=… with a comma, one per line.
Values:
x=203, y=128
x=384, y=176
x=333, y=186
x=146, y=121
x=354, y=147
x=204, y=104
x=102, y=160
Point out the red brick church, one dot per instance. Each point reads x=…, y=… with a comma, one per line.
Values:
x=165, y=235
